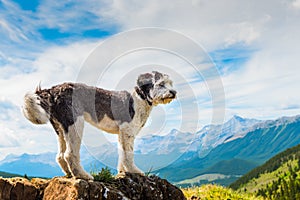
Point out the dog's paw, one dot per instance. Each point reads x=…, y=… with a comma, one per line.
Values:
x=140, y=173
x=136, y=170
x=91, y=178
x=68, y=176
x=85, y=177
x=121, y=175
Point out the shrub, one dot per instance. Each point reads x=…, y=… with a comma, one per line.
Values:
x=104, y=175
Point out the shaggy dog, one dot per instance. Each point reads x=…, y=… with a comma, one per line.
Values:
x=68, y=105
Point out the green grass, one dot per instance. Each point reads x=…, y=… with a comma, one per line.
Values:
x=267, y=178
x=216, y=192
x=9, y=175
x=268, y=167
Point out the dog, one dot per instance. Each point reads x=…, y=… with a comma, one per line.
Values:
x=68, y=105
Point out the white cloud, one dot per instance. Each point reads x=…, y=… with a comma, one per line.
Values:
x=14, y=34
x=62, y=15
x=209, y=22
x=265, y=87
x=55, y=65
x=7, y=137
x=18, y=135
x=296, y=4
x=268, y=82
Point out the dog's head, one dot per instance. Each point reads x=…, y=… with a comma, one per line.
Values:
x=156, y=87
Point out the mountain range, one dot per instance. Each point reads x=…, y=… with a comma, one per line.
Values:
x=216, y=153
x=235, y=157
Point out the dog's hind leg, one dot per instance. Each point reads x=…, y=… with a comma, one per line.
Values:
x=72, y=156
x=60, y=158
x=126, y=156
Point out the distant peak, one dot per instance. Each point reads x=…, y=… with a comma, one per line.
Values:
x=237, y=118
x=174, y=132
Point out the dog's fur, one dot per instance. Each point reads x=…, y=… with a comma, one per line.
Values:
x=67, y=105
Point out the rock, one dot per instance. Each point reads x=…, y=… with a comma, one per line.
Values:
x=132, y=186
x=18, y=189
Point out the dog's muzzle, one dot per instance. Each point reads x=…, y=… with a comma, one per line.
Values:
x=173, y=94
x=170, y=97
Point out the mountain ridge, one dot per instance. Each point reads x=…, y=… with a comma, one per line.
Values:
x=277, y=178
x=257, y=146
x=178, y=150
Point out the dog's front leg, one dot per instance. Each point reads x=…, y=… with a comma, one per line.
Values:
x=126, y=155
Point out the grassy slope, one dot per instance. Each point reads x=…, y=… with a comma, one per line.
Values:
x=220, y=173
x=213, y=192
x=267, y=178
x=270, y=166
x=8, y=175
x=278, y=178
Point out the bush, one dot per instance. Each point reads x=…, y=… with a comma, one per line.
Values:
x=104, y=175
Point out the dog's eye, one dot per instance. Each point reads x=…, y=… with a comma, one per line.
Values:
x=162, y=84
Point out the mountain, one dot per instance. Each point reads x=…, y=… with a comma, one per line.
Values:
x=278, y=178
x=257, y=146
x=44, y=165
x=227, y=150
x=176, y=146
x=211, y=136
x=41, y=165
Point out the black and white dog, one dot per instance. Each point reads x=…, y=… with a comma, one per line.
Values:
x=66, y=106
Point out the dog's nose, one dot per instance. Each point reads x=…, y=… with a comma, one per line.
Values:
x=173, y=92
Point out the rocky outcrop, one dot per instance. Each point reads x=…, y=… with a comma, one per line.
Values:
x=21, y=188
x=132, y=186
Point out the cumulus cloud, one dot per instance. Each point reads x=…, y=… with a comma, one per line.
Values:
x=53, y=66
x=7, y=137
x=296, y=4
x=209, y=22
x=264, y=85
x=18, y=135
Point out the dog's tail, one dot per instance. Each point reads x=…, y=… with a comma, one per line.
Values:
x=33, y=109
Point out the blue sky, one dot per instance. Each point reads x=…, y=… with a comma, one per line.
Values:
x=253, y=45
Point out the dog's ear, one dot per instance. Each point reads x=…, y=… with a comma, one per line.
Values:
x=38, y=88
x=145, y=80
x=157, y=75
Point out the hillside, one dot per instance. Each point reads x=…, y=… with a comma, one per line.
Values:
x=220, y=173
x=255, y=148
x=8, y=175
x=278, y=178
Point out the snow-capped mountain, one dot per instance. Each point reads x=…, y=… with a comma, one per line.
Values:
x=42, y=165
x=174, y=141
x=237, y=156
x=157, y=151
x=211, y=136
x=276, y=122
x=152, y=151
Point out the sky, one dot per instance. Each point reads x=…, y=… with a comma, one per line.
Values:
x=225, y=58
